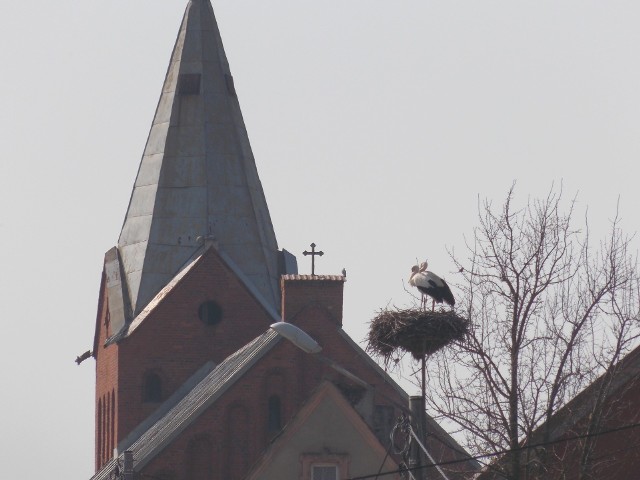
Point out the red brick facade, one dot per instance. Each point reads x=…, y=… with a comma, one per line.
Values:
x=577, y=449
x=173, y=343
x=236, y=425
x=106, y=384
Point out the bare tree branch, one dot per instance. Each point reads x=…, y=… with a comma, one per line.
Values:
x=549, y=314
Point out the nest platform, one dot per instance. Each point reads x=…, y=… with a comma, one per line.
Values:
x=415, y=331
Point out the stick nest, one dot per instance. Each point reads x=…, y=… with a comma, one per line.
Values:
x=415, y=331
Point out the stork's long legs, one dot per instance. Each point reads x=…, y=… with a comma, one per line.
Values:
x=423, y=303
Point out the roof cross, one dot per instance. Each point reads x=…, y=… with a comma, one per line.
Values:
x=313, y=254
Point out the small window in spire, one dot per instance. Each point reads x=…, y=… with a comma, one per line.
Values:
x=189, y=84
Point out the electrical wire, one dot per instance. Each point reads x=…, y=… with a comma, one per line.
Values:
x=424, y=449
x=495, y=454
x=449, y=446
x=386, y=455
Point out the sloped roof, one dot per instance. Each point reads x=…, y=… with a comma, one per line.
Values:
x=205, y=388
x=184, y=411
x=196, y=401
x=197, y=177
x=625, y=372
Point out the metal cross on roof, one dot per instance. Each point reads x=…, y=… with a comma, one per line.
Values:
x=313, y=254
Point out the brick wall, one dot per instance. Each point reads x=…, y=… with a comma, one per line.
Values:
x=173, y=343
x=302, y=291
x=237, y=423
x=106, y=432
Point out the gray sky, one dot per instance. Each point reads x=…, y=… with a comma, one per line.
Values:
x=375, y=126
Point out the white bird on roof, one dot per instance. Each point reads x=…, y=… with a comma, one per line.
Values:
x=432, y=285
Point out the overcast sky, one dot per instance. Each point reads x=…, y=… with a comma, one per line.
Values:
x=375, y=127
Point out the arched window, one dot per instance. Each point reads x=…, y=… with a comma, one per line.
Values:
x=112, y=445
x=275, y=410
x=99, y=436
x=107, y=423
x=275, y=414
x=152, y=388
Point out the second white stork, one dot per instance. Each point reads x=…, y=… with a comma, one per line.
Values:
x=430, y=285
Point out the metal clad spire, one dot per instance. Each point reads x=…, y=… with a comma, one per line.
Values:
x=197, y=177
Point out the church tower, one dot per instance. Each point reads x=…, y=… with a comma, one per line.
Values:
x=192, y=383
x=197, y=209
x=197, y=179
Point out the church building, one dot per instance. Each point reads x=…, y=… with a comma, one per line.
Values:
x=191, y=381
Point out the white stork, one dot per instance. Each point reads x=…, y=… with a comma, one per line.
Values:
x=432, y=285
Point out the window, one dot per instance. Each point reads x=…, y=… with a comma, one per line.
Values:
x=383, y=421
x=100, y=439
x=152, y=388
x=165, y=475
x=210, y=312
x=275, y=415
x=107, y=427
x=324, y=472
x=324, y=466
x=113, y=422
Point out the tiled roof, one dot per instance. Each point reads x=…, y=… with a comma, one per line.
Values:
x=333, y=278
x=201, y=397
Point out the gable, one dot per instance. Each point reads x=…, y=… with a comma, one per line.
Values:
x=210, y=275
x=173, y=337
x=326, y=430
x=180, y=311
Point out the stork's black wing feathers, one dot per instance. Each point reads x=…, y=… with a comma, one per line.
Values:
x=447, y=296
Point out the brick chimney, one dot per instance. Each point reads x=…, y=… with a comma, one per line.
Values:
x=300, y=291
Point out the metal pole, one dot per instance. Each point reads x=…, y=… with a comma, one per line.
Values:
x=416, y=405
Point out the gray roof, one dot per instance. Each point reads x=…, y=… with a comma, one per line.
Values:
x=195, y=402
x=204, y=388
x=129, y=328
x=197, y=178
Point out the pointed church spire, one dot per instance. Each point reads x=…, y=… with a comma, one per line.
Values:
x=197, y=178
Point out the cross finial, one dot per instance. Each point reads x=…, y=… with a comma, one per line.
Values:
x=313, y=254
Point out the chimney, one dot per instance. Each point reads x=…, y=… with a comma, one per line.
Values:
x=301, y=291
x=127, y=471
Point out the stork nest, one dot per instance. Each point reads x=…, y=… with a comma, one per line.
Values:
x=415, y=331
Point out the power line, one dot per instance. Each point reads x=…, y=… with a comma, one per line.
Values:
x=424, y=449
x=503, y=452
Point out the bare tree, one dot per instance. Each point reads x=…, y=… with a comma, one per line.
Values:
x=549, y=311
